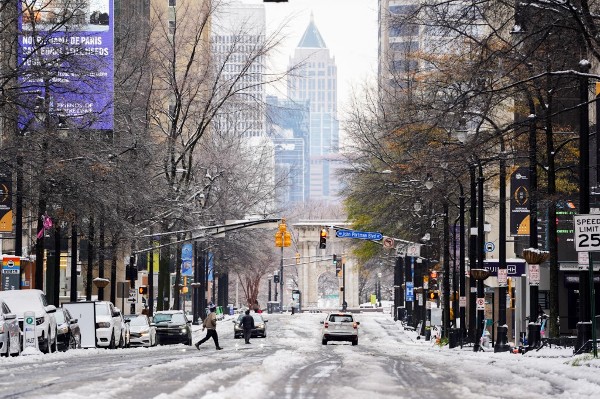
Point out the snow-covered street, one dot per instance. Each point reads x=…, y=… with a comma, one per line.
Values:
x=291, y=363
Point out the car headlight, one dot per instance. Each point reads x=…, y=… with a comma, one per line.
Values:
x=260, y=326
x=103, y=324
x=63, y=330
x=1, y=328
x=183, y=329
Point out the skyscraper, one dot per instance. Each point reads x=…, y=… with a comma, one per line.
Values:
x=315, y=79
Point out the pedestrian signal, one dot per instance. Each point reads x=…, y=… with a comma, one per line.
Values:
x=143, y=290
x=276, y=278
x=433, y=295
x=323, y=239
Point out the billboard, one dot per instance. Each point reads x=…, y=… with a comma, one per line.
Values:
x=519, y=202
x=66, y=63
x=6, y=212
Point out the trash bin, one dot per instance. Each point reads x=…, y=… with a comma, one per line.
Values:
x=453, y=337
x=400, y=313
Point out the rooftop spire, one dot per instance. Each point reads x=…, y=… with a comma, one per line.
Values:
x=312, y=38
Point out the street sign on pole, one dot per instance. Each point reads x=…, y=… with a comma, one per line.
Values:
x=361, y=235
x=410, y=294
x=413, y=250
x=587, y=233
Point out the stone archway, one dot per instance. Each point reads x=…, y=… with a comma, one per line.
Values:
x=316, y=262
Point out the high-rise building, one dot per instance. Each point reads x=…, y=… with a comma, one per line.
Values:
x=315, y=79
x=238, y=38
x=238, y=32
x=288, y=127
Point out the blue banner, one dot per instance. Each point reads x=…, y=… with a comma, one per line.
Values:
x=186, y=268
x=66, y=63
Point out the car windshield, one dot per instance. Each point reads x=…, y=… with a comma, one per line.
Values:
x=338, y=318
x=139, y=321
x=59, y=316
x=257, y=318
x=102, y=309
x=171, y=317
x=162, y=317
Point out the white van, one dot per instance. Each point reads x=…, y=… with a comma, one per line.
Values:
x=21, y=301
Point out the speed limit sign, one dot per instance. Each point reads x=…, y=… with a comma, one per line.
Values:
x=587, y=233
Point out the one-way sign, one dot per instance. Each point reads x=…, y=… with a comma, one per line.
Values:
x=361, y=235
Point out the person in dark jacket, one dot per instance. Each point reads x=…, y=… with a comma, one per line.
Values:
x=210, y=323
x=247, y=323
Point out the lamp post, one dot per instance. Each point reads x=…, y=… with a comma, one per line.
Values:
x=502, y=329
x=586, y=278
x=479, y=275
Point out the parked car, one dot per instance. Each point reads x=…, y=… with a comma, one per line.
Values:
x=10, y=334
x=339, y=327
x=172, y=326
x=143, y=333
x=108, y=325
x=259, y=330
x=21, y=301
x=69, y=333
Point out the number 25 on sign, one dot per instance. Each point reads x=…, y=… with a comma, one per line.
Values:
x=587, y=233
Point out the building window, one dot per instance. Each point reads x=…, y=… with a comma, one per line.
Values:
x=171, y=27
x=172, y=3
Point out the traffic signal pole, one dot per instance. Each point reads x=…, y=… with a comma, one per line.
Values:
x=281, y=281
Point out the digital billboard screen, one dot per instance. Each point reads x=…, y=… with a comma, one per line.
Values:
x=66, y=62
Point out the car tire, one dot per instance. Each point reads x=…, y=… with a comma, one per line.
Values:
x=324, y=341
x=72, y=342
x=7, y=354
x=189, y=341
x=111, y=344
x=46, y=345
x=55, y=346
x=121, y=341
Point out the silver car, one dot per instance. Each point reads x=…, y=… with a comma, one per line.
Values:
x=10, y=334
x=141, y=331
x=340, y=327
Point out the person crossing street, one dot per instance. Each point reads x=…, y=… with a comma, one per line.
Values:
x=210, y=324
x=247, y=324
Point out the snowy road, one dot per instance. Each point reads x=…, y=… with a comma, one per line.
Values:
x=292, y=363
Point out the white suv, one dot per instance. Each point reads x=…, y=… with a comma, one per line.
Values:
x=21, y=301
x=109, y=331
x=340, y=327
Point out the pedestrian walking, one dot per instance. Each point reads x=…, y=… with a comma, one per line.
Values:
x=210, y=324
x=247, y=324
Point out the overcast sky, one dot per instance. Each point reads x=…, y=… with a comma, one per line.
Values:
x=348, y=27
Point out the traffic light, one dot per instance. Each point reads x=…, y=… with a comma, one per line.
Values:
x=433, y=284
x=143, y=290
x=278, y=239
x=335, y=259
x=131, y=271
x=323, y=239
x=287, y=239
